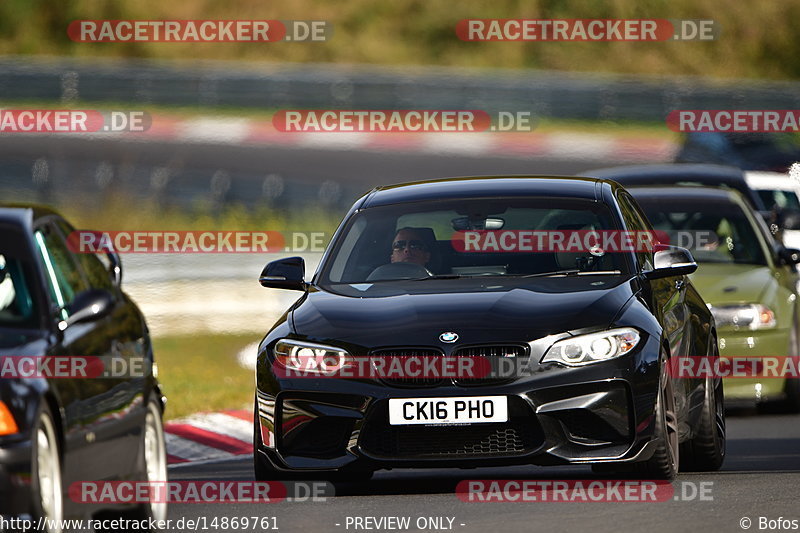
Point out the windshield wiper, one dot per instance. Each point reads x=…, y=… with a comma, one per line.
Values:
x=440, y=276
x=572, y=272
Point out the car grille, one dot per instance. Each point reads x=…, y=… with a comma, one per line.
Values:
x=490, y=352
x=477, y=440
x=410, y=382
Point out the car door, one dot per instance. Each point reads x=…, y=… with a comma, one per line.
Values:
x=122, y=403
x=84, y=399
x=673, y=299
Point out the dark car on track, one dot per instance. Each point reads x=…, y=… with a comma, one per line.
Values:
x=589, y=332
x=748, y=151
x=61, y=424
x=684, y=174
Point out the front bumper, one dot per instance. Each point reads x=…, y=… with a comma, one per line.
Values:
x=596, y=413
x=751, y=344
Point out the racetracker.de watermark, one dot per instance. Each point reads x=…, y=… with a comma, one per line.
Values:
x=581, y=491
x=770, y=367
x=596, y=242
x=199, y=31
x=734, y=120
x=315, y=363
x=187, y=242
x=594, y=30
x=73, y=367
x=200, y=491
x=73, y=121
x=401, y=121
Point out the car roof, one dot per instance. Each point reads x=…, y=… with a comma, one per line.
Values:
x=678, y=174
x=689, y=192
x=670, y=173
x=488, y=187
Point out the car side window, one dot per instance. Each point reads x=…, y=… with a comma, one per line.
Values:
x=96, y=273
x=63, y=277
x=636, y=221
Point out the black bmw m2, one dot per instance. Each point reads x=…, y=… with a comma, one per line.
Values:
x=543, y=273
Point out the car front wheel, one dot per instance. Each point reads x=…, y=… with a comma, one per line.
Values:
x=666, y=458
x=153, y=459
x=48, y=495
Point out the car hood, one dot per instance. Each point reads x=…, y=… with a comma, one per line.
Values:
x=723, y=283
x=477, y=315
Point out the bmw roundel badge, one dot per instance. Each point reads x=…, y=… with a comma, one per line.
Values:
x=448, y=336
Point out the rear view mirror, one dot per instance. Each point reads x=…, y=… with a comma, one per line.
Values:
x=671, y=261
x=477, y=224
x=284, y=274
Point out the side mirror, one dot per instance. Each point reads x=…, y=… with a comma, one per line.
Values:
x=284, y=274
x=88, y=305
x=789, y=256
x=671, y=261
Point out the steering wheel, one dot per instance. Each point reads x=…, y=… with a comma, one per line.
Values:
x=399, y=271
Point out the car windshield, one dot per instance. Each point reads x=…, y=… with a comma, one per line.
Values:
x=474, y=238
x=780, y=198
x=715, y=232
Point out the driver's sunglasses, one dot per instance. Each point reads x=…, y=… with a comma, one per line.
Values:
x=412, y=244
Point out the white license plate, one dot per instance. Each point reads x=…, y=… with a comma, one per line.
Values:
x=457, y=410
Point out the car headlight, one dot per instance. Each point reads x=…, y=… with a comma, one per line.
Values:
x=746, y=316
x=593, y=348
x=309, y=357
x=8, y=425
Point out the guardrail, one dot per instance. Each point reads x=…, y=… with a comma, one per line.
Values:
x=547, y=94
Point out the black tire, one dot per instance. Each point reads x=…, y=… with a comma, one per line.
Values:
x=152, y=461
x=665, y=461
x=47, y=489
x=791, y=403
x=705, y=452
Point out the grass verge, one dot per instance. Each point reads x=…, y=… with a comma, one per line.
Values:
x=200, y=373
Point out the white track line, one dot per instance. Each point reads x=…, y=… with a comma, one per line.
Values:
x=222, y=424
x=193, y=451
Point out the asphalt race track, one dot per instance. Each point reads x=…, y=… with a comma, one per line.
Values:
x=759, y=479
x=94, y=166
